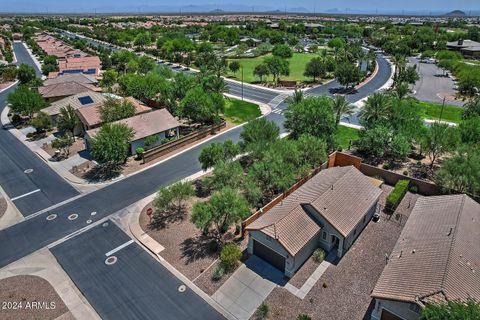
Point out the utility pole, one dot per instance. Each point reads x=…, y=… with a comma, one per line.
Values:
x=441, y=111
x=242, y=83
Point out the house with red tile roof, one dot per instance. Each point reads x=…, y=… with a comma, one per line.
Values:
x=328, y=211
x=87, y=65
x=57, y=91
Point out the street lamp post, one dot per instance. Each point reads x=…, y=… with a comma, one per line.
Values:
x=242, y=83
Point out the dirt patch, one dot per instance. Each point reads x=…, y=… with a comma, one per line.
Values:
x=77, y=146
x=303, y=273
x=29, y=297
x=348, y=284
x=3, y=206
x=186, y=248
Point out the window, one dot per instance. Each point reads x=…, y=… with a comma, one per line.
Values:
x=415, y=308
x=324, y=235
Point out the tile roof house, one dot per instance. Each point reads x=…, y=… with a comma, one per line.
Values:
x=436, y=258
x=159, y=123
x=329, y=211
x=57, y=91
x=90, y=115
x=76, y=101
x=468, y=48
x=88, y=65
x=71, y=77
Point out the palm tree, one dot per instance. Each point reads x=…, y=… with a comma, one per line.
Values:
x=341, y=106
x=376, y=108
x=400, y=63
x=401, y=90
x=68, y=120
x=296, y=97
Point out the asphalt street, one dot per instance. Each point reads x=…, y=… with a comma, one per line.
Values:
x=40, y=187
x=135, y=287
x=33, y=234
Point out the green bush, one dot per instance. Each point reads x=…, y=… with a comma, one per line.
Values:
x=230, y=255
x=303, y=316
x=318, y=255
x=218, y=273
x=139, y=151
x=262, y=311
x=396, y=195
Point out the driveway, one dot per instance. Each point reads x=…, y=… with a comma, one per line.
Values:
x=246, y=289
x=432, y=85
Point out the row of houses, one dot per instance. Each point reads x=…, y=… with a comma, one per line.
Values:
x=70, y=60
x=80, y=91
x=436, y=258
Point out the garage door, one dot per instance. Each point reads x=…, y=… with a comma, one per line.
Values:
x=389, y=316
x=269, y=255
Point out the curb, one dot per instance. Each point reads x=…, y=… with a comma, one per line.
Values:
x=9, y=86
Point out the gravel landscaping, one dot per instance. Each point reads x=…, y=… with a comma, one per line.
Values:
x=186, y=248
x=32, y=296
x=3, y=206
x=343, y=291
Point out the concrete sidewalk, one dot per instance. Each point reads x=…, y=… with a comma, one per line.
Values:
x=43, y=264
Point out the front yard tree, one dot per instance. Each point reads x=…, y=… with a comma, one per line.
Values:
x=172, y=197
x=315, y=68
x=452, y=310
x=313, y=116
x=110, y=147
x=68, y=120
x=25, y=73
x=224, y=208
x=261, y=71
x=342, y=106
x=63, y=144
x=41, y=122
x=347, y=74
x=216, y=153
x=439, y=140
x=283, y=51
x=109, y=78
x=234, y=66
x=25, y=101
x=226, y=174
x=258, y=135
x=116, y=109
x=277, y=67
x=202, y=107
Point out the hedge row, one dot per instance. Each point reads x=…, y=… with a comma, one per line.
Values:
x=397, y=195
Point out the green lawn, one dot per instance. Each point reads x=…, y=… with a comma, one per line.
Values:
x=297, y=67
x=344, y=135
x=432, y=111
x=238, y=111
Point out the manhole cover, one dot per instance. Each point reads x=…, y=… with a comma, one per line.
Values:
x=73, y=216
x=182, y=288
x=52, y=216
x=110, y=260
x=28, y=171
x=105, y=224
x=93, y=213
x=89, y=221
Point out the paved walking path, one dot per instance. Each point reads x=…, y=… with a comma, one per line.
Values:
x=312, y=280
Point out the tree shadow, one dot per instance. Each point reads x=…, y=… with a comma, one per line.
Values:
x=199, y=247
x=161, y=220
x=102, y=173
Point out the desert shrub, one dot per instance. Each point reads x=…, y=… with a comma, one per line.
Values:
x=303, y=316
x=218, y=273
x=230, y=255
x=396, y=195
x=318, y=255
x=262, y=311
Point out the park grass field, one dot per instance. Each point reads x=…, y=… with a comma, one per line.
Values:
x=432, y=111
x=344, y=135
x=297, y=67
x=238, y=111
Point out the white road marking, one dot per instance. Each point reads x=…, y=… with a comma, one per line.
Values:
x=24, y=195
x=120, y=247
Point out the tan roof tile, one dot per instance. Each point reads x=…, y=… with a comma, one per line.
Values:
x=437, y=256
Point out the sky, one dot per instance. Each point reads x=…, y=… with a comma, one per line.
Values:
x=330, y=6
